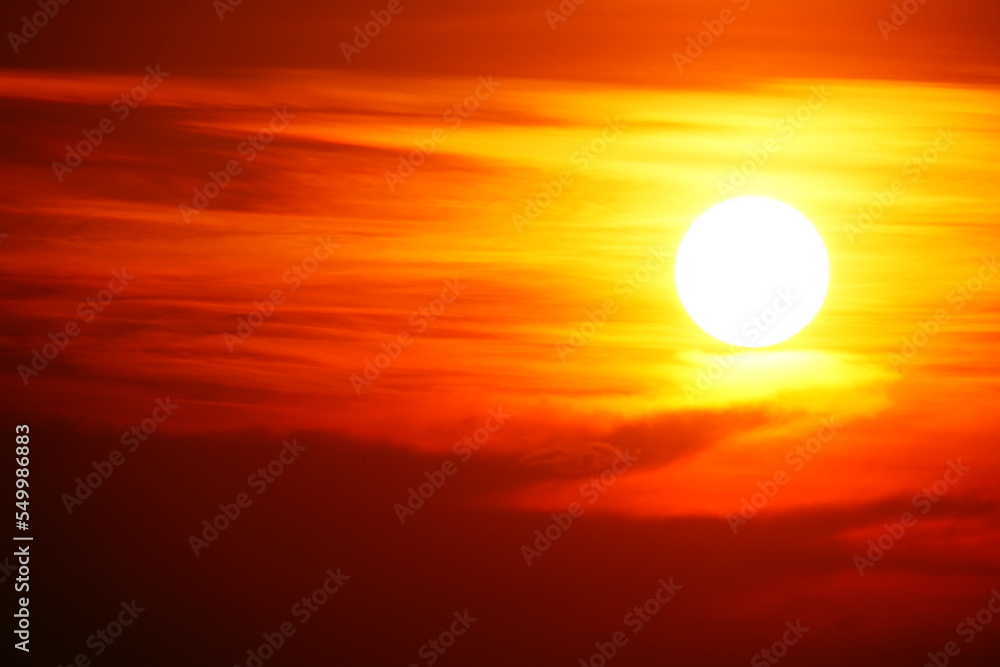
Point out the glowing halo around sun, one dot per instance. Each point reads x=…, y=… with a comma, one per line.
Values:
x=752, y=271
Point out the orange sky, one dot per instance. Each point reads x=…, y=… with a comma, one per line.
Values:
x=596, y=114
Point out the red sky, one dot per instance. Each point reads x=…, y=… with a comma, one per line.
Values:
x=482, y=294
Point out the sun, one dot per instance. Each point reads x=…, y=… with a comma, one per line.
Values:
x=752, y=271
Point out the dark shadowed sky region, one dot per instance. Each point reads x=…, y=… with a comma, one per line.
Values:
x=349, y=333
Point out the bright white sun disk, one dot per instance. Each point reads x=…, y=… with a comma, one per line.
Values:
x=752, y=271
